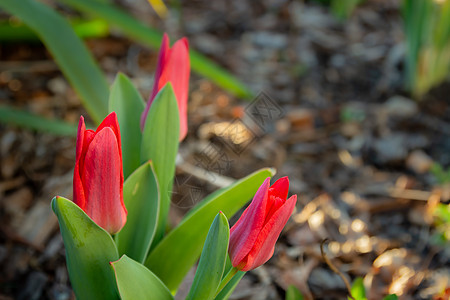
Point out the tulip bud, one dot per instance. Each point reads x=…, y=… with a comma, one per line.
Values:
x=253, y=237
x=173, y=66
x=98, y=175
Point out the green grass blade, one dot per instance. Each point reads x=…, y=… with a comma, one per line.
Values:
x=293, y=293
x=69, y=52
x=11, y=32
x=219, y=76
x=427, y=31
x=27, y=120
x=148, y=36
x=358, y=290
x=90, y=28
x=342, y=9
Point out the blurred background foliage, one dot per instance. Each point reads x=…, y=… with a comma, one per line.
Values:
x=426, y=27
x=326, y=142
x=427, y=31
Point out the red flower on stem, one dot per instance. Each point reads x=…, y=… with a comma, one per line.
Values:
x=253, y=237
x=98, y=175
x=174, y=67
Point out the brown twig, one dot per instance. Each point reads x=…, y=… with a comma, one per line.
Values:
x=336, y=270
x=212, y=178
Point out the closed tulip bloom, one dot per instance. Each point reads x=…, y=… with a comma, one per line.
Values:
x=174, y=67
x=98, y=175
x=253, y=237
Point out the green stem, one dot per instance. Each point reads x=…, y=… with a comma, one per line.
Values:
x=226, y=279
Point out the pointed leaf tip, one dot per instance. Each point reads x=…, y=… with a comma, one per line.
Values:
x=212, y=260
x=135, y=281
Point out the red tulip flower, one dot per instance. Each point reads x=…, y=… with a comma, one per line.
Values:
x=173, y=66
x=98, y=176
x=253, y=237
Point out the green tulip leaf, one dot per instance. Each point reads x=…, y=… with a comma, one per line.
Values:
x=212, y=260
x=140, y=194
x=391, y=297
x=293, y=293
x=84, y=28
x=136, y=282
x=160, y=145
x=69, y=52
x=128, y=104
x=172, y=258
x=21, y=118
x=89, y=250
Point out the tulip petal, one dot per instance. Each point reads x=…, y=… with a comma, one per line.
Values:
x=278, y=193
x=162, y=57
x=263, y=246
x=84, y=138
x=174, y=67
x=87, y=139
x=246, y=230
x=280, y=188
x=273, y=204
x=176, y=71
x=78, y=192
x=112, y=122
x=103, y=180
x=80, y=136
